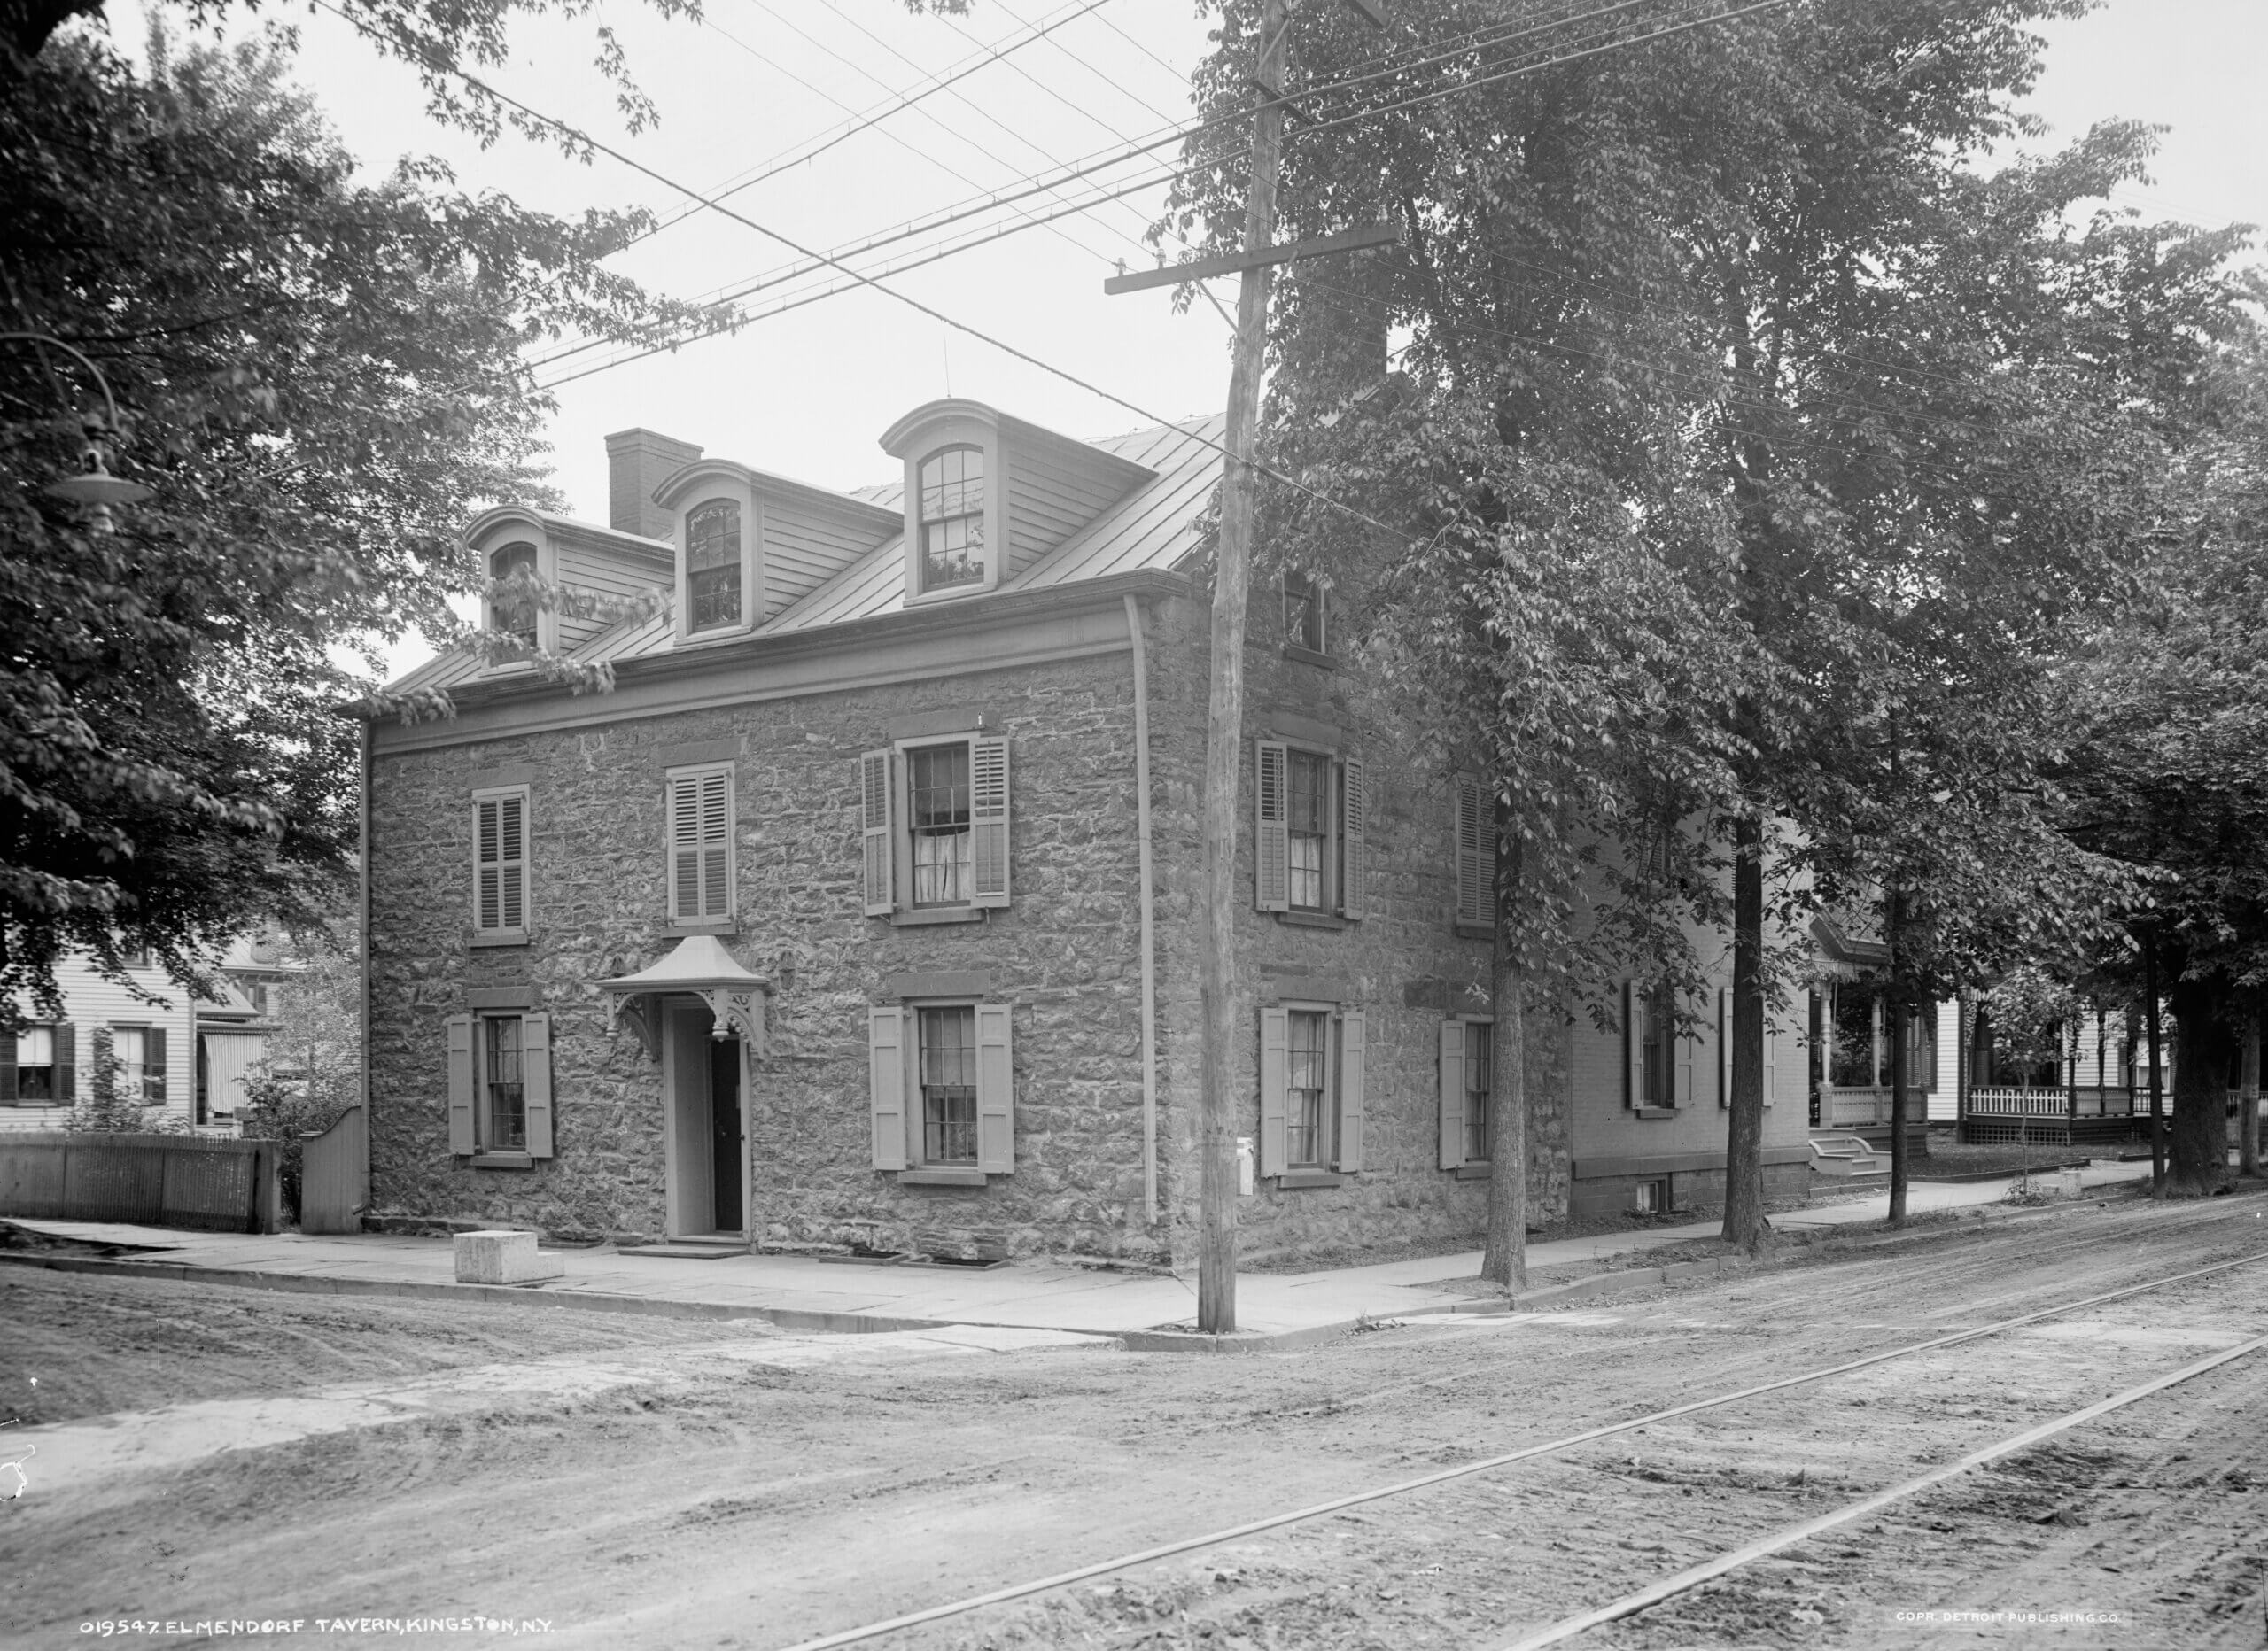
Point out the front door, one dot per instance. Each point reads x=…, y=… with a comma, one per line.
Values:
x=725, y=1130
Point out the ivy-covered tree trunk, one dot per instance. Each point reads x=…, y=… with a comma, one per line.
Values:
x=1504, y=1260
x=2197, y=1135
x=1745, y=1224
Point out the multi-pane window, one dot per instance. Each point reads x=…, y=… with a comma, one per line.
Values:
x=952, y=518
x=502, y=1117
x=1309, y=829
x=35, y=1065
x=712, y=565
x=139, y=1052
x=500, y=833
x=938, y=798
x=935, y=822
x=1658, y=1055
x=1478, y=1039
x=1307, y=1089
x=512, y=605
x=1304, y=613
x=948, y=1084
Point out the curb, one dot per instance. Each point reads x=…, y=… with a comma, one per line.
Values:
x=600, y=1301
x=518, y=1295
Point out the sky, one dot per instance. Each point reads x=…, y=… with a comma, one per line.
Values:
x=808, y=392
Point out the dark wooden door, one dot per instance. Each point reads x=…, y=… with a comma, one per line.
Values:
x=725, y=1129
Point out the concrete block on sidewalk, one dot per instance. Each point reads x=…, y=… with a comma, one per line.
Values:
x=504, y=1258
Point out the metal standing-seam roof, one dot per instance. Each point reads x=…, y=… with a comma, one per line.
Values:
x=1154, y=526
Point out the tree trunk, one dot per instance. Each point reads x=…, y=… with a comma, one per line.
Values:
x=2197, y=1135
x=2247, y=1107
x=1898, y=1076
x=1744, y=1221
x=1504, y=1262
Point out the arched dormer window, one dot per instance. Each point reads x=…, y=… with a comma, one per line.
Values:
x=513, y=611
x=951, y=519
x=712, y=565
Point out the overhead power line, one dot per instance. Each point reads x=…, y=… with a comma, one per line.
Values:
x=1103, y=161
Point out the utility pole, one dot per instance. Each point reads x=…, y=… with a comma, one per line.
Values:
x=1216, y=1251
x=1218, y=904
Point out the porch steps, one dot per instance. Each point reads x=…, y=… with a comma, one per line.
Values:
x=1847, y=1156
x=691, y=1248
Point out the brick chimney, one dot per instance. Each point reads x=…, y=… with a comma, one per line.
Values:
x=637, y=463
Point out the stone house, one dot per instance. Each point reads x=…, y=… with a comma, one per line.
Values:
x=862, y=907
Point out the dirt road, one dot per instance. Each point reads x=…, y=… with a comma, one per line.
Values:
x=640, y=1483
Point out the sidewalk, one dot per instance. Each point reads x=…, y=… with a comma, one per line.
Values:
x=804, y=1293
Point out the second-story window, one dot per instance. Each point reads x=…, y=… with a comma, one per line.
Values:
x=1309, y=830
x=936, y=789
x=712, y=565
x=1310, y=853
x=512, y=607
x=952, y=509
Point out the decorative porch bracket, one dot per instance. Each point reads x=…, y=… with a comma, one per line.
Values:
x=731, y=1009
x=697, y=966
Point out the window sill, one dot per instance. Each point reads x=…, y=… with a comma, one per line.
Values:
x=712, y=634
x=1295, y=1180
x=1309, y=656
x=1480, y=1171
x=1653, y=1111
x=950, y=593
x=923, y=916
x=940, y=1177
x=501, y=1161
x=1476, y=931
x=1312, y=920
x=501, y=937
x=726, y=926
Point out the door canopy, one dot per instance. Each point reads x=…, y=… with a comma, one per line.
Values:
x=700, y=967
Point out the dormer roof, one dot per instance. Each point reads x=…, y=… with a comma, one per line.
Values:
x=848, y=509
x=902, y=439
x=1156, y=485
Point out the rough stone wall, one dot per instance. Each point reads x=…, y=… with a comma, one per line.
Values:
x=1065, y=955
x=1403, y=965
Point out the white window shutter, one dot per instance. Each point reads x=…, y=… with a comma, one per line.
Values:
x=716, y=845
x=488, y=904
x=460, y=1085
x=873, y=816
x=685, y=847
x=886, y=1084
x=988, y=822
x=511, y=841
x=1452, y=1086
x=1688, y=1066
x=1353, y=1061
x=1475, y=863
x=1634, y=1045
x=535, y=1081
x=1271, y=846
x=1771, y=1060
x=996, y=1091
x=1275, y=1071
x=1353, y=862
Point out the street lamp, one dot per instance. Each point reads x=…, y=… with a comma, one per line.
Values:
x=94, y=490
